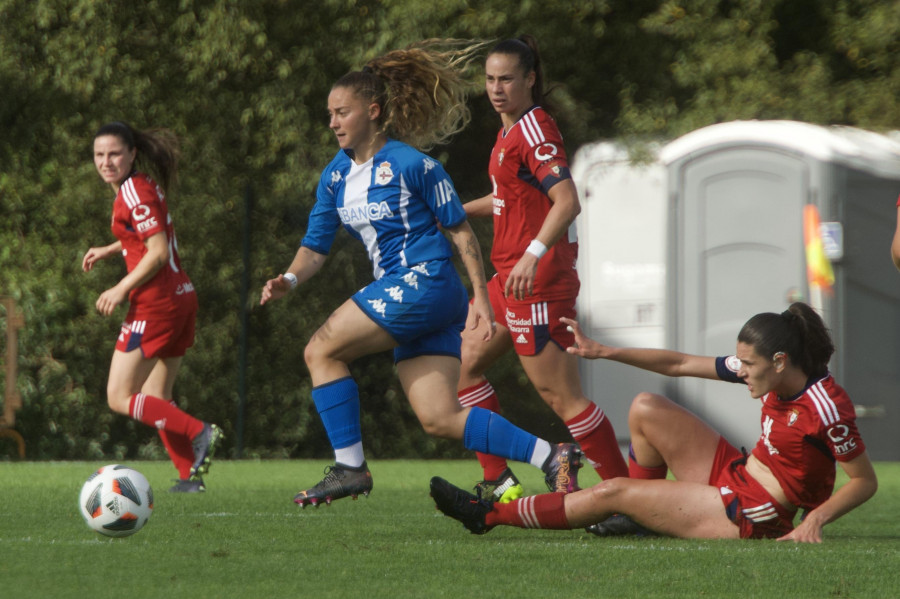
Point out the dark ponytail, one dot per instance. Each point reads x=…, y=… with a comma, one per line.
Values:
x=158, y=147
x=799, y=332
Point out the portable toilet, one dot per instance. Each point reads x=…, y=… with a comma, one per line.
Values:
x=622, y=267
x=680, y=250
x=736, y=197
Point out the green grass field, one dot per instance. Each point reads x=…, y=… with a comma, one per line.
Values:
x=245, y=538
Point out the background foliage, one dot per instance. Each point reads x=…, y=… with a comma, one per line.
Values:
x=244, y=83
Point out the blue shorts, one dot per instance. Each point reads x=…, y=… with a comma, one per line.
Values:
x=423, y=308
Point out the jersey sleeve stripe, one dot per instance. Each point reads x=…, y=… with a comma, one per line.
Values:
x=827, y=410
x=534, y=135
x=129, y=194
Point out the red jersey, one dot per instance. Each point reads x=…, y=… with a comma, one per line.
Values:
x=526, y=162
x=804, y=435
x=140, y=211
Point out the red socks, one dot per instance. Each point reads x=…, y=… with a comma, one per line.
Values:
x=536, y=511
x=635, y=470
x=163, y=415
x=484, y=396
x=594, y=432
x=181, y=452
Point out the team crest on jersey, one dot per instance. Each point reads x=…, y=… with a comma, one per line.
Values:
x=500, y=156
x=554, y=168
x=384, y=174
x=792, y=417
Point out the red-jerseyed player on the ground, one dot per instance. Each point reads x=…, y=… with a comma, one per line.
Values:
x=534, y=204
x=808, y=423
x=159, y=326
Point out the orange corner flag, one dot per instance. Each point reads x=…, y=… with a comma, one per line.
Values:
x=818, y=267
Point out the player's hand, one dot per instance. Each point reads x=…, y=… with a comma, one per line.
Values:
x=808, y=531
x=110, y=299
x=92, y=256
x=520, y=282
x=584, y=347
x=481, y=311
x=274, y=289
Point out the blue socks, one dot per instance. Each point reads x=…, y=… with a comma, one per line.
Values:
x=489, y=432
x=338, y=406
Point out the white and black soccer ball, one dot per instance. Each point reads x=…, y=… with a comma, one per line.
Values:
x=116, y=501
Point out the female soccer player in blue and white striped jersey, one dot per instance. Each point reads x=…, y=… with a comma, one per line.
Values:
x=393, y=198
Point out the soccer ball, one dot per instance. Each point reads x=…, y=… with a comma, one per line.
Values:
x=116, y=501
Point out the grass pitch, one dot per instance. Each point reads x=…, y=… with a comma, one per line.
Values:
x=245, y=538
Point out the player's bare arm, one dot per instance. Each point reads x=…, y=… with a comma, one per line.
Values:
x=562, y=214
x=306, y=263
x=469, y=250
x=156, y=257
x=663, y=361
x=481, y=207
x=99, y=253
x=860, y=488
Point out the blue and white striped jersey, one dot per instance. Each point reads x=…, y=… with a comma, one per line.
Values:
x=391, y=203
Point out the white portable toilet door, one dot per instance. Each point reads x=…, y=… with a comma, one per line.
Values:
x=741, y=252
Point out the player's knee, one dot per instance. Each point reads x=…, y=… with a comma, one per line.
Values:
x=313, y=353
x=445, y=425
x=472, y=359
x=118, y=402
x=643, y=405
x=609, y=489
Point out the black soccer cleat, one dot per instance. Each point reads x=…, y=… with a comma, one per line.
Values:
x=561, y=468
x=461, y=505
x=619, y=525
x=340, y=481
x=204, y=446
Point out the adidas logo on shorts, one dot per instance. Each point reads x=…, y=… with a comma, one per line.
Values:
x=521, y=339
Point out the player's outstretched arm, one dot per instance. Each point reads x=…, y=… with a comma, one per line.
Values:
x=663, y=361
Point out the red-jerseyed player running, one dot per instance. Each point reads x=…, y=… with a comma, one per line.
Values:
x=534, y=204
x=159, y=326
x=808, y=422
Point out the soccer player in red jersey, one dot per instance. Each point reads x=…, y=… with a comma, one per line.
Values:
x=808, y=422
x=533, y=204
x=159, y=326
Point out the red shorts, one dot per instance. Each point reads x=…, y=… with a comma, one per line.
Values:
x=747, y=503
x=167, y=337
x=532, y=323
